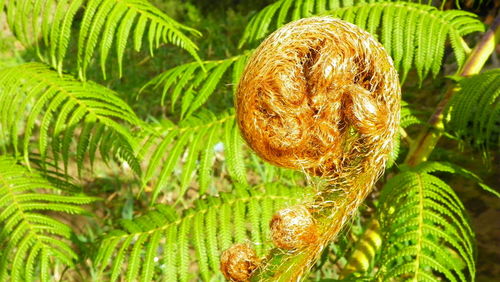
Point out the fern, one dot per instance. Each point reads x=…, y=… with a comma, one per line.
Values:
x=193, y=141
x=104, y=22
x=407, y=119
x=414, y=34
x=197, y=82
x=473, y=113
x=425, y=231
x=32, y=96
x=164, y=237
x=33, y=243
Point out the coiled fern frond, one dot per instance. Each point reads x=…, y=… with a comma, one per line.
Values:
x=50, y=24
x=473, y=113
x=425, y=229
x=39, y=104
x=33, y=243
x=161, y=242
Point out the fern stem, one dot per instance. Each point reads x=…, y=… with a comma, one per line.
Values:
x=430, y=135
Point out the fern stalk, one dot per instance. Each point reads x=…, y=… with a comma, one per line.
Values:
x=430, y=135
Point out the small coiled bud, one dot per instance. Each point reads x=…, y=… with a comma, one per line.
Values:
x=239, y=262
x=293, y=228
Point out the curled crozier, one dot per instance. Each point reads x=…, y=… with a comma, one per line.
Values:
x=322, y=96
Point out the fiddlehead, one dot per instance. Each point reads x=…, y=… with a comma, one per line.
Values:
x=321, y=95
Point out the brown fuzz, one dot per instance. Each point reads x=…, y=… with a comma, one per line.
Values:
x=238, y=262
x=293, y=228
x=320, y=95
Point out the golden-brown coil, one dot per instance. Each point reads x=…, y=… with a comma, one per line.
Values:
x=238, y=262
x=293, y=228
x=320, y=95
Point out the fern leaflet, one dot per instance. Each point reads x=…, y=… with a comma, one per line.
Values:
x=33, y=243
x=104, y=22
x=32, y=95
x=200, y=81
x=473, y=113
x=425, y=231
x=192, y=140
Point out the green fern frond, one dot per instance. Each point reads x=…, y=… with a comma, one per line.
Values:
x=414, y=34
x=473, y=113
x=196, y=81
x=281, y=12
x=191, y=141
x=105, y=23
x=430, y=167
x=32, y=242
x=425, y=230
x=161, y=243
x=34, y=97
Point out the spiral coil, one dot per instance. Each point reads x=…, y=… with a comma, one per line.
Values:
x=320, y=95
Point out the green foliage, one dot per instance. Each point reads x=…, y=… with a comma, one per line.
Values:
x=33, y=243
x=197, y=133
x=197, y=82
x=195, y=137
x=407, y=119
x=160, y=243
x=32, y=96
x=414, y=34
x=425, y=231
x=103, y=22
x=474, y=112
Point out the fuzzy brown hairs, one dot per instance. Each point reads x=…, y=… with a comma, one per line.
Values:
x=320, y=95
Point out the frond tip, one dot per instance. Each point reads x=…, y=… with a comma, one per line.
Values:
x=239, y=262
x=33, y=243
